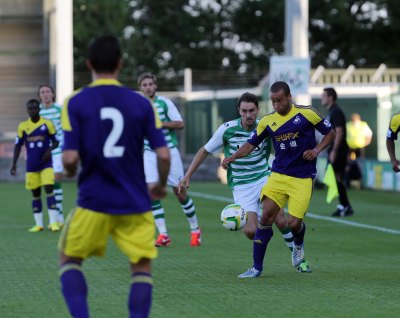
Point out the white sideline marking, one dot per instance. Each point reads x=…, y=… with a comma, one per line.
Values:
x=311, y=215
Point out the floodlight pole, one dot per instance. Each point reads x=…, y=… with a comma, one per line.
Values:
x=296, y=35
x=64, y=66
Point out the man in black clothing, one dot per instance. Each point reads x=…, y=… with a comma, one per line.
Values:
x=338, y=150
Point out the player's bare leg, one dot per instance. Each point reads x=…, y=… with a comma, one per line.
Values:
x=251, y=225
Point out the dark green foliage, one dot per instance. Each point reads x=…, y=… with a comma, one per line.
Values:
x=231, y=41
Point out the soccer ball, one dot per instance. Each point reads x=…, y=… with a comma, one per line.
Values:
x=233, y=217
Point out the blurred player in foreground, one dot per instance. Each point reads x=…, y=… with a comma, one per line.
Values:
x=292, y=130
x=104, y=127
x=171, y=120
x=39, y=137
x=248, y=175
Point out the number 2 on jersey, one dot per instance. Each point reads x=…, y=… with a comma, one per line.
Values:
x=110, y=150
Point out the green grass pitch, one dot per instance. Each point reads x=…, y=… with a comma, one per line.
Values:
x=356, y=264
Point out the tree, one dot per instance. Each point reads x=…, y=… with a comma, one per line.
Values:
x=232, y=40
x=92, y=18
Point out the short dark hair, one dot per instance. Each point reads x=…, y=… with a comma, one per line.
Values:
x=280, y=85
x=51, y=88
x=104, y=53
x=33, y=101
x=143, y=76
x=248, y=98
x=331, y=92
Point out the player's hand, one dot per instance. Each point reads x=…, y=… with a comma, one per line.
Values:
x=157, y=192
x=183, y=184
x=226, y=161
x=46, y=156
x=13, y=170
x=310, y=155
x=395, y=166
x=332, y=156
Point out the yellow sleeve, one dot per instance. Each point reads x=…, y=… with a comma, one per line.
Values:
x=50, y=127
x=262, y=125
x=157, y=118
x=20, y=131
x=395, y=123
x=65, y=123
x=313, y=116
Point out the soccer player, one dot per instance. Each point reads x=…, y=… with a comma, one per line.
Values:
x=39, y=137
x=292, y=130
x=50, y=110
x=104, y=127
x=391, y=136
x=171, y=121
x=250, y=173
x=338, y=151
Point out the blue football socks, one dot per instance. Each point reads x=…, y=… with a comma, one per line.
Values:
x=74, y=289
x=140, y=295
x=260, y=243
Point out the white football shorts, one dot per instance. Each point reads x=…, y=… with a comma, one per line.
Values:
x=249, y=197
x=57, y=163
x=176, y=170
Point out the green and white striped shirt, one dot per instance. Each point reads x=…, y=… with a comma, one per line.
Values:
x=246, y=171
x=53, y=113
x=167, y=111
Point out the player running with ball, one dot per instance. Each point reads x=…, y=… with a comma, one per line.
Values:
x=292, y=130
x=247, y=176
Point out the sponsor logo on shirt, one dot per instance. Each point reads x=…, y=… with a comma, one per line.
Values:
x=287, y=136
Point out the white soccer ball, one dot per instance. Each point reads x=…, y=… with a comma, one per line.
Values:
x=233, y=217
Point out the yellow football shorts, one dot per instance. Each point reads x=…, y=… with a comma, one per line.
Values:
x=86, y=233
x=296, y=192
x=34, y=180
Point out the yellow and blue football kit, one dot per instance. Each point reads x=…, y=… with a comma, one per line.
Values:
x=291, y=135
x=107, y=124
x=394, y=127
x=37, y=138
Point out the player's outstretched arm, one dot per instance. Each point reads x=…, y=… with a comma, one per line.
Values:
x=392, y=154
x=70, y=159
x=17, y=151
x=198, y=159
x=243, y=151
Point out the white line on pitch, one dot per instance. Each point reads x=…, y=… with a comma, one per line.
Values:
x=311, y=215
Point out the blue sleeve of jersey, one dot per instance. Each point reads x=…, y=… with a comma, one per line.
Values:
x=255, y=139
x=324, y=126
x=154, y=135
x=20, y=140
x=71, y=137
